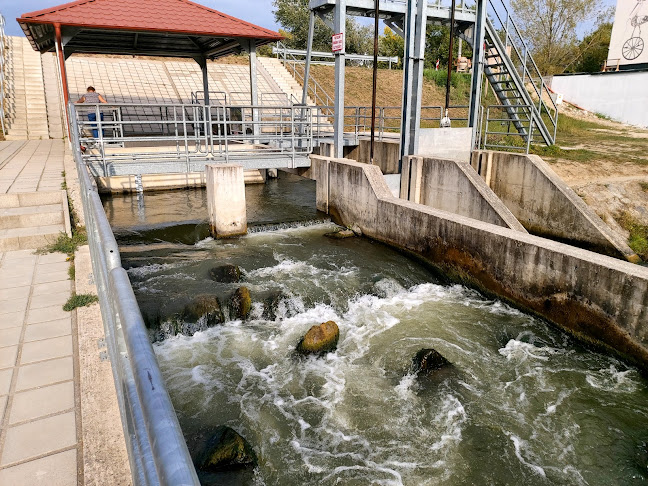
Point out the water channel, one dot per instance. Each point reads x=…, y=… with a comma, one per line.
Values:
x=522, y=404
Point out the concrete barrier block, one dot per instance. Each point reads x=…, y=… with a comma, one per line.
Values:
x=226, y=200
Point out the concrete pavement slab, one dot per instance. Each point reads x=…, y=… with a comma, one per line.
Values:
x=47, y=330
x=14, y=319
x=45, y=314
x=45, y=373
x=5, y=380
x=52, y=287
x=8, y=356
x=46, y=349
x=9, y=337
x=39, y=437
x=55, y=470
x=32, y=404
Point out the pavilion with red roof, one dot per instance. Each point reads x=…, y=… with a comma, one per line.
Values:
x=166, y=28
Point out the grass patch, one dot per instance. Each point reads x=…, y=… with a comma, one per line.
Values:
x=79, y=300
x=638, y=239
x=554, y=151
x=72, y=271
x=66, y=244
x=602, y=116
x=644, y=186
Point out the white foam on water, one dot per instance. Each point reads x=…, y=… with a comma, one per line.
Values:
x=519, y=444
x=520, y=351
x=149, y=269
x=612, y=380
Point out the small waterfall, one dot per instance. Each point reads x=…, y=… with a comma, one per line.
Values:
x=264, y=228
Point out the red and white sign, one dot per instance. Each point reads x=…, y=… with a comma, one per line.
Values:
x=338, y=42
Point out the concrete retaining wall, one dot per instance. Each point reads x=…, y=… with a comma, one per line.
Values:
x=620, y=95
x=453, y=186
x=545, y=205
x=386, y=153
x=595, y=297
x=446, y=143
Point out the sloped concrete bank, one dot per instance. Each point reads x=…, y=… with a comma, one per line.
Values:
x=597, y=298
x=545, y=205
x=451, y=185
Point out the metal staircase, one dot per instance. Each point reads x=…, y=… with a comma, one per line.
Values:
x=516, y=79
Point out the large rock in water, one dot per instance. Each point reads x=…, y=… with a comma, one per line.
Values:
x=207, y=306
x=427, y=361
x=225, y=273
x=319, y=339
x=225, y=450
x=340, y=235
x=240, y=303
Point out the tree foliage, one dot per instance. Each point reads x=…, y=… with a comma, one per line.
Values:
x=593, y=50
x=293, y=16
x=550, y=27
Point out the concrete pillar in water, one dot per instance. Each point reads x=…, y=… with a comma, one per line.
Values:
x=226, y=200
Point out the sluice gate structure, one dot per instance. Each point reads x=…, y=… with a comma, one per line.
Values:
x=598, y=298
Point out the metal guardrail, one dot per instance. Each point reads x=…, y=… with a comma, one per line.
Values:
x=157, y=450
x=186, y=136
x=290, y=62
x=357, y=119
x=280, y=50
x=526, y=69
x=499, y=131
x=3, y=62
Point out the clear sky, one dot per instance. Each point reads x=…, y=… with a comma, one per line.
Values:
x=256, y=11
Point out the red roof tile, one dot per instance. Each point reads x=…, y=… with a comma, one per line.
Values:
x=181, y=16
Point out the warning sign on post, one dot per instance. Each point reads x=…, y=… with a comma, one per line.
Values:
x=338, y=42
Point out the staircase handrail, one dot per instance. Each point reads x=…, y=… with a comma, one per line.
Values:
x=286, y=58
x=525, y=56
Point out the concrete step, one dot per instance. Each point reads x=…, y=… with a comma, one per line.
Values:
x=29, y=199
x=29, y=238
x=30, y=216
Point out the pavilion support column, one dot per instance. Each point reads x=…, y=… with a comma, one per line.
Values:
x=202, y=62
x=251, y=48
x=64, y=83
x=339, y=27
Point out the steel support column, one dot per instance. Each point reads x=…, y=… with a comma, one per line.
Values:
x=64, y=82
x=415, y=24
x=479, y=33
x=309, y=50
x=340, y=60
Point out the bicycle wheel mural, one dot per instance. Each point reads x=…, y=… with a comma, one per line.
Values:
x=629, y=39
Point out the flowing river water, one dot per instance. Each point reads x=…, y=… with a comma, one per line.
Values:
x=522, y=404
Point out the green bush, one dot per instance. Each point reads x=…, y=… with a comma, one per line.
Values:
x=638, y=239
x=79, y=300
x=66, y=244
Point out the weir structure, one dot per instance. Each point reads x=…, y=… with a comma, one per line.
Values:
x=460, y=224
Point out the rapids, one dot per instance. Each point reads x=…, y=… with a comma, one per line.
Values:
x=523, y=403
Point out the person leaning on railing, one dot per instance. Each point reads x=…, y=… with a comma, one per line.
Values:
x=92, y=96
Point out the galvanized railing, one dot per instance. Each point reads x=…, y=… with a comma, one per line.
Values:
x=315, y=90
x=183, y=138
x=357, y=119
x=512, y=45
x=500, y=133
x=156, y=447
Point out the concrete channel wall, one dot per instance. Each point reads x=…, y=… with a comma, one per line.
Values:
x=545, y=205
x=453, y=186
x=597, y=298
x=386, y=153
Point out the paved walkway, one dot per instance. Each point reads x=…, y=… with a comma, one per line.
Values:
x=32, y=166
x=39, y=438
